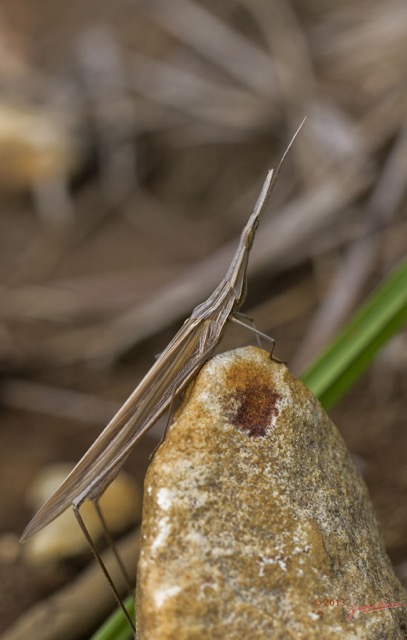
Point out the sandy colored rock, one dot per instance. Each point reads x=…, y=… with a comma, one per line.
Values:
x=256, y=523
x=36, y=145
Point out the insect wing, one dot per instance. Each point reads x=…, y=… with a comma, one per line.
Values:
x=145, y=405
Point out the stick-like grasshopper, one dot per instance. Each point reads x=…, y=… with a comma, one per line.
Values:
x=177, y=365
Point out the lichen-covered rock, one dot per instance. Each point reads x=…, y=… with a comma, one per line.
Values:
x=256, y=523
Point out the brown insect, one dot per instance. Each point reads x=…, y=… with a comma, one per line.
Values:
x=177, y=365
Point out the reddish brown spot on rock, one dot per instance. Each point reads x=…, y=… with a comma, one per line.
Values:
x=252, y=409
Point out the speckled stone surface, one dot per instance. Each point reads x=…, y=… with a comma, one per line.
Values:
x=256, y=524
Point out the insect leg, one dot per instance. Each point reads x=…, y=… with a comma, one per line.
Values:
x=205, y=356
x=112, y=544
x=250, y=325
x=167, y=424
x=76, y=509
x=260, y=334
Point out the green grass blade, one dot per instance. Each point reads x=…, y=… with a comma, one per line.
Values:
x=345, y=359
x=116, y=626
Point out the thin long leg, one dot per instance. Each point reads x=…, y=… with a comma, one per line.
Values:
x=257, y=332
x=167, y=424
x=76, y=507
x=112, y=544
x=206, y=355
x=251, y=325
x=240, y=314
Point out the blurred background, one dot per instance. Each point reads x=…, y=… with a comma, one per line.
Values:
x=134, y=140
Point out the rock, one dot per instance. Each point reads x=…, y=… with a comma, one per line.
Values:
x=62, y=538
x=256, y=523
x=10, y=549
x=36, y=145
